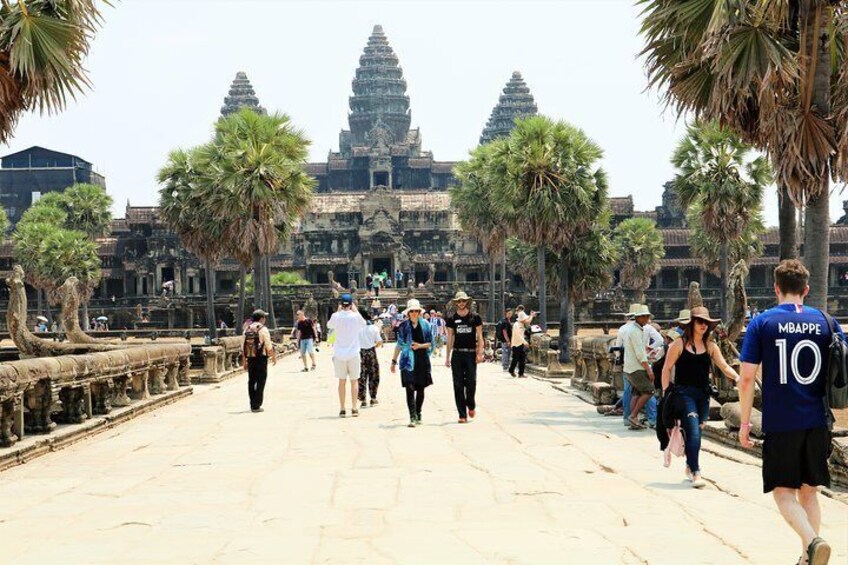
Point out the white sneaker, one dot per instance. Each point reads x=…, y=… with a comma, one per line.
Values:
x=698, y=482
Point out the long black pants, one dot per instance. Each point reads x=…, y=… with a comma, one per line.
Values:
x=464, y=370
x=414, y=400
x=519, y=357
x=257, y=374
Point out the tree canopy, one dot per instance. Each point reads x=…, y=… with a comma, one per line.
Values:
x=640, y=249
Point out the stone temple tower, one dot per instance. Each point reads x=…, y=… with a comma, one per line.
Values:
x=241, y=95
x=379, y=105
x=515, y=102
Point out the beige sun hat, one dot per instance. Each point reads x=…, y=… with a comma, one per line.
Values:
x=683, y=316
x=637, y=310
x=701, y=313
x=412, y=304
x=460, y=295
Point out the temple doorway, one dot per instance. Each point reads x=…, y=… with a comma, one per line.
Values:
x=380, y=264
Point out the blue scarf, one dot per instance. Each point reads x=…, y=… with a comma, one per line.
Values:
x=404, y=343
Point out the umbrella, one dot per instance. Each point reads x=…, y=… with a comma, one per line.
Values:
x=102, y=319
x=41, y=318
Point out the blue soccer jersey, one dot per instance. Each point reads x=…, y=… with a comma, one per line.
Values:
x=792, y=343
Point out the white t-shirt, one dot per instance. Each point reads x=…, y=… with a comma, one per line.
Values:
x=369, y=336
x=346, y=325
x=518, y=334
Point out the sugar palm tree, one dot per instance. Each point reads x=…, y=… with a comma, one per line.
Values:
x=640, y=249
x=183, y=202
x=260, y=187
x=471, y=200
x=747, y=247
x=42, y=47
x=775, y=73
x=716, y=176
x=549, y=191
x=88, y=208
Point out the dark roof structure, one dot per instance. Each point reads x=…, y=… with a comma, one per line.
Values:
x=379, y=94
x=515, y=102
x=241, y=96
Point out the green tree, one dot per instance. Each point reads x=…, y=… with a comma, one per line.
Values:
x=716, y=177
x=471, y=201
x=4, y=222
x=88, y=208
x=550, y=192
x=182, y=200
x=42, y=47
x=775, y=73
x=259, y=186
x=747, y=246
x=640, y=249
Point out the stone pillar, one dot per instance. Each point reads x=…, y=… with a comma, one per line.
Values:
x=119, y=394
x=101, y=393
x=210, y=362
x=103, y=289
x=72, y=405
x=140, y=390
x=178, y=280
x=151, y=281
x=156, y=380
x=171, y=374
x=7, y=420
x=183, y=376
x=39, y=400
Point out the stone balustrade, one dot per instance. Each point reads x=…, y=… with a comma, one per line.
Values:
x=594, y=367
x=84, y=385
x=221, y=360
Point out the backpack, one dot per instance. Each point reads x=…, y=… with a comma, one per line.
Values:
x=836, y=384
x=252, y=343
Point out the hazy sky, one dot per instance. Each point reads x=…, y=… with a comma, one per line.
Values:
x=161, y=68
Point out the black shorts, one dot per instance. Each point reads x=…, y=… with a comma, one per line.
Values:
x=791, y=459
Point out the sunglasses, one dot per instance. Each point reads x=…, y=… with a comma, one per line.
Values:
x=700, y=321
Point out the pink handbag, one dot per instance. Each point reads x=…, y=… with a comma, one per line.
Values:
x=676, y=445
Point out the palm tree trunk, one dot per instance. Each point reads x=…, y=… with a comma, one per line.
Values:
x=543, y=299
x=723, y=260
x=566, y=323
x=817, y=214
x=258, y=297
x=269, y=301
x=787, y=220
x=210, y=301
x=816, y=249
x=503, y=279
x=40, y=306
x=86, y=326
x=493, y=301
x=240, y=305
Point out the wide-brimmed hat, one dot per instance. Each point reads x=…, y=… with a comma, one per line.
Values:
x=672, y=333
x=637, y=310
x=460, y=295
x=683, y=316
x=412, y=304
x=700, y=313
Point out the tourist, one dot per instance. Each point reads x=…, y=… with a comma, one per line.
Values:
x=502, y=335
x=376, y=306
x=439, y=329
x=637, y=369
x=654, y=351
x=369, y=282
x=256, y=348
x=398, y=278
x=790, y=343
x=376, y=283
x=370, y=339
x=305, y=334
x=692, y=357
x=412, y=355
x=222, y=325
x=464, y=351
x=427, y=316
x=346, y=323
x=518, y=341
x=385, y=279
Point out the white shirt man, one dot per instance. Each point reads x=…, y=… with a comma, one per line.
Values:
x=346, y=324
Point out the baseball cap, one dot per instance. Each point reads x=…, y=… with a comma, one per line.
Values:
x=346, y=299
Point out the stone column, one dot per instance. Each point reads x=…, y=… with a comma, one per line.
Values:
x=178, y=280
x=119, y=397
x=140, y=390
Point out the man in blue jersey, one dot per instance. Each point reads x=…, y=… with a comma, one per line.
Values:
x=790, y=342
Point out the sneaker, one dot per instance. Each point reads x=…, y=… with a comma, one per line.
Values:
x=818, y=552
x=354, y=412
x=341, y=413
x=304, y=370
x=374, y=402
x=411, y=423
x=697, y=481
x=462, y=421
x=257, y=409
x=688, y=473
x=471, y=412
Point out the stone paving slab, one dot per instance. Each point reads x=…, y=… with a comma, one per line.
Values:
x=539, y=477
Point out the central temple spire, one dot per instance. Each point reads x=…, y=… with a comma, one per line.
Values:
x=379, y=107
x=515, y=103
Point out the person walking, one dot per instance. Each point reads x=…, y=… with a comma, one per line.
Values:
x=518, y=341
x=415, y=341
x=305, y=334
x=376, y=283
x=256, y=348
x=503, y=335
x=464, y=351
x=370, y=339
x=637, y=369
x=692, y=357
x=346, y=323
x=790, y=344
x=398, y=278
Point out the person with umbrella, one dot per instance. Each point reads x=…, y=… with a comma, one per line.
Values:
x=41, y=326
x=103, y=323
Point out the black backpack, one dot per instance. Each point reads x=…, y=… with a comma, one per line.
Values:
x=836, y=385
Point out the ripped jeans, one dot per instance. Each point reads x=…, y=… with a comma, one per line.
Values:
x=697, y=403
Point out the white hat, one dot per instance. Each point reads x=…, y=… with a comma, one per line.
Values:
x=412, y=304
x=637, y=310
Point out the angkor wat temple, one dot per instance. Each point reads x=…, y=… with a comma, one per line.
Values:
x=381, y=204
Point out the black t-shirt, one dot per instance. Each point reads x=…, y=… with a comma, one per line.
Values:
x=465, y=330
x=503, y=325
x=306, y=329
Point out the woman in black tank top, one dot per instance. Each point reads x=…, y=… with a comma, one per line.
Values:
x=692, y=357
